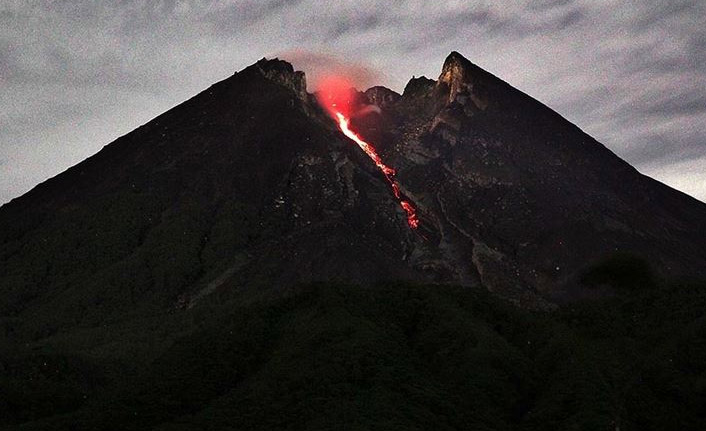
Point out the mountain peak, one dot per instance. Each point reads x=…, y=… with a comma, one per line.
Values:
x=456, y=67
x=460, y=77
x=283, y=73
x=455, y=56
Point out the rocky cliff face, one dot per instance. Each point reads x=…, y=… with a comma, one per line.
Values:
x=250, y=185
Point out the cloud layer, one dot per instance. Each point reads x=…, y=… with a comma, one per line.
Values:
x=76, y=76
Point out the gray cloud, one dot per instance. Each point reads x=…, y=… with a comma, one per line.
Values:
x=75, y=76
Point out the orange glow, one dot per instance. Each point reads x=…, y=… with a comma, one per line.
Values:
x=343, y=124
x=411, y=213
x=369, y=150
x=337, y=95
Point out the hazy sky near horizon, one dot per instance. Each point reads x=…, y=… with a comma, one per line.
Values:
x=75, y=76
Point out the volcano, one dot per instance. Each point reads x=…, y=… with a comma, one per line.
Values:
x=252, y=187
x=252, y=184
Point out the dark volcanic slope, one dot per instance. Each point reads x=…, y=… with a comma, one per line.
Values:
x=243, y=184
x=538, y=198
x=249, y=184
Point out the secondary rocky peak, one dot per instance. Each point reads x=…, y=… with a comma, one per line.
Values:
x=381, y=96
x=283, y=73
x=418, y=86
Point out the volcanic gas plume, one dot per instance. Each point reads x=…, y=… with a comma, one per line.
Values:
x=336, y=95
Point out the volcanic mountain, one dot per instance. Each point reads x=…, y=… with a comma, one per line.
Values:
x=251, y=186
x=251, y=183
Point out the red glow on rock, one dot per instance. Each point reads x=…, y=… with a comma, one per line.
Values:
x=337, y=95
x=343, y=124
x=411, y=213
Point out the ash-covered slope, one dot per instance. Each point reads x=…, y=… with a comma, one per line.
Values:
x=247, y=184
x=250, y=185
x=528, y=199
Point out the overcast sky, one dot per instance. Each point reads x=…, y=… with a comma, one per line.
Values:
x=74, y=76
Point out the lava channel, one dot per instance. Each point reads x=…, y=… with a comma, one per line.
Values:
x=343, y=124
x=337, y=95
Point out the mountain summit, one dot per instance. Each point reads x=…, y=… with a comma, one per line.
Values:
x=251, y=185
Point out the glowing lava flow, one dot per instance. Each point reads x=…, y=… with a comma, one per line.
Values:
x=389, y=172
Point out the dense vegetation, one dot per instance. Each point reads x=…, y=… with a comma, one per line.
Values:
x=393, y=356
